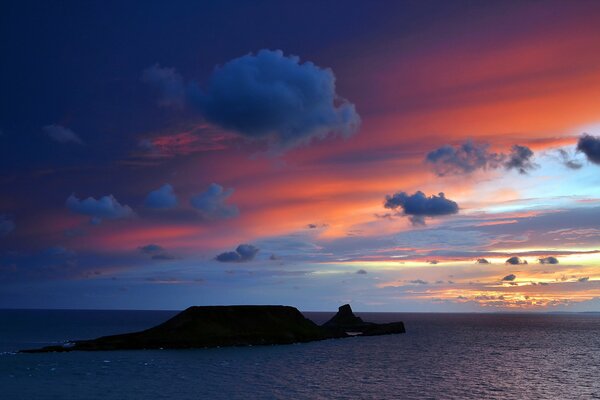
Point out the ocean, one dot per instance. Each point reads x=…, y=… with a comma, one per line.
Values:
x=442, y=356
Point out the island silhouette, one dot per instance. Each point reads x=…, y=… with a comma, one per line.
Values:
x=216, y=326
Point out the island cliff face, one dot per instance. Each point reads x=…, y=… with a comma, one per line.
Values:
x=215, y=326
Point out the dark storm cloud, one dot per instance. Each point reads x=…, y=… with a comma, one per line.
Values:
x=590, y=146
x=243, y=253
x=548, y=260
x=105, y=207
x=168, y=82
x=265, y=95
x=161, y=198
x=482, y=261
x=515, y=261
x=7, y=225
x=568, y=161
x=418, y=206
x=463, y=159
x=470, y=156
x=520, y=158
x=211, y=204
x=509, y=278
x=61, y=134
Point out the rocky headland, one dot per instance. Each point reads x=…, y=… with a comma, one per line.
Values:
x=215, y=326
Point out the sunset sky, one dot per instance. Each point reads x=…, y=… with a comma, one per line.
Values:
x=398, y=156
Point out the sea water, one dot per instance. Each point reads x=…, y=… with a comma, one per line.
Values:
x=442, y=356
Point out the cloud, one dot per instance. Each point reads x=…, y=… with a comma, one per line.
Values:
x=584, y=279
x=243, y=253
x=168, y=82
x=419, y=282
x=106, y=207
x=156, y=252
x=482, y=261
x=7, y=225
x=316, y=226
x=463, y=159
x=509, y=278
x=211, y=204
x=520, y=158
x=418, y=206
x=266, y=95
x=62, y=134
x=590, y=146
x=161, y=198
x=470, y=156
x=151, y=249
x=548, y=260
x=568, y=161
x=515, y=261
x=361, y=272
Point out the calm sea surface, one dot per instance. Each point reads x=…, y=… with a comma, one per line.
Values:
x=442, y=356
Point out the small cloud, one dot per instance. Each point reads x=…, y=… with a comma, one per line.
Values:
x=515, y=261
x=520, y=158
x=274, y=257
x=584, y=279
x=548, y=260
x=568, y=161
x=463, y=159
x=470, y=157
x=105, y=207
x=243, y=253
x=161, y=198
x=361, y=272
x=418, y=206
x=211, y=204
x=433, y=262
x=7, y=225
x=418, y=282
x=151, y=249
x=482, y=261
x=590, y=146
x=509, y=278
x=156, y=252
x=61, y=134
x=316, y=226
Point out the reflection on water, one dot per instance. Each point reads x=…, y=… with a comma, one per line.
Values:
x=442, y=356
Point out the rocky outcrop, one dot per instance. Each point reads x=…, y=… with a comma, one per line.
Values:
x=345, y=322
x=215, y=326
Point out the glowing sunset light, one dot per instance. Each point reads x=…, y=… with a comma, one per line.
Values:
x=445, y=165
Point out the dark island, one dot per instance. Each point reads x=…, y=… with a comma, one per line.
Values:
x=214, y=326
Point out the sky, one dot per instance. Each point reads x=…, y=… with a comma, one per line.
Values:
x=397, y=155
